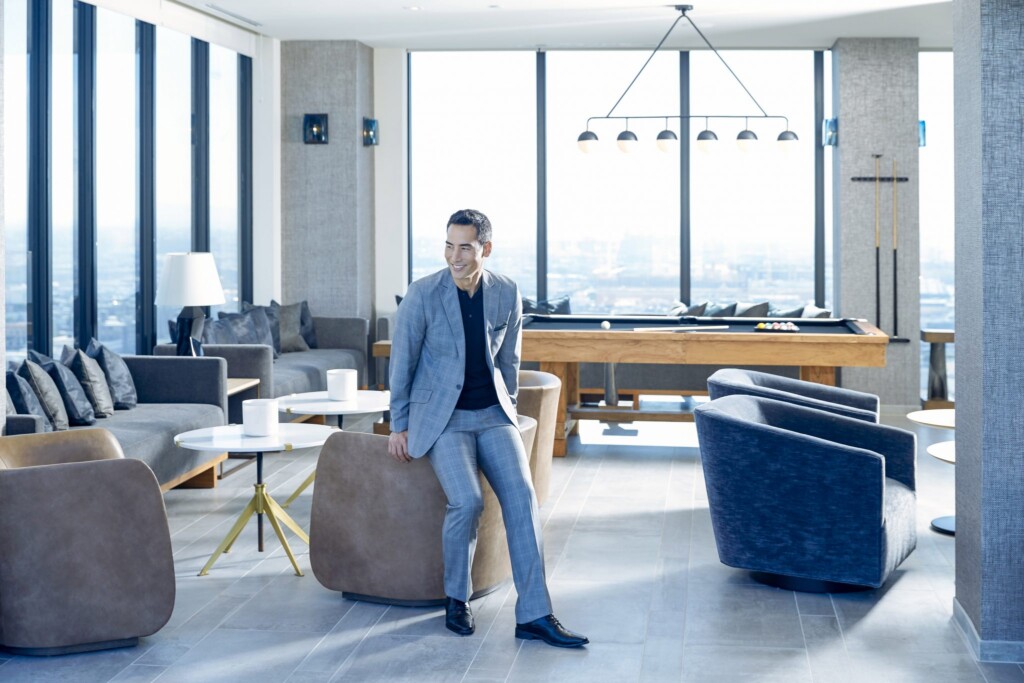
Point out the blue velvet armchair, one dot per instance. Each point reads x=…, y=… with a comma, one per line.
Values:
x=837, y=400
x=807, y=500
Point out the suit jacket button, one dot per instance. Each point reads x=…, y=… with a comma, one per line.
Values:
x=458, y=386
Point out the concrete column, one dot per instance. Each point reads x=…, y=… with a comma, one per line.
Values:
x=988, y=50
x=875, y=100
x=327, y=190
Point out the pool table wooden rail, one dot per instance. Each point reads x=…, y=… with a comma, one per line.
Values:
x=561, y=351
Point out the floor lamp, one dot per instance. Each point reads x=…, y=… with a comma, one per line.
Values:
x=190, y=281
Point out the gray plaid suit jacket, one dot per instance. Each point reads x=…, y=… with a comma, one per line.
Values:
x=428, y=354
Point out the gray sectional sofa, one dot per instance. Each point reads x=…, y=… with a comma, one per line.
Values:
x=341, y=343
x=175, y=395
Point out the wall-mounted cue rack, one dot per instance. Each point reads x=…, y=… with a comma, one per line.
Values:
x=878, y=179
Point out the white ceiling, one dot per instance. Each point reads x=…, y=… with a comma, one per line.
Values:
x=597, y=24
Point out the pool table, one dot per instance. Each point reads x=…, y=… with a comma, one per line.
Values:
x=561, y=342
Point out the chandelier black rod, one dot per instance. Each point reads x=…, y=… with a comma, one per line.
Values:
x=655, y=50
x=683, y=9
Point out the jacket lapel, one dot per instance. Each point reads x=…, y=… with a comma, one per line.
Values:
x=492, y=294
x=450, y=301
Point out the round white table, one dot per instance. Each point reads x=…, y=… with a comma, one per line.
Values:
x=231, y=438
x=317, y=403
x=944, y=418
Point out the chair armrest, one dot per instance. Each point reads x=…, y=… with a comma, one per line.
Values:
x=90, y=559
x=719, y=389
x=251, y=361
x=180, y=379
x=897, y=446
x=846, y=397
x=23, y=424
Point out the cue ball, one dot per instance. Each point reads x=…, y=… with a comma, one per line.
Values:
x=605, y=325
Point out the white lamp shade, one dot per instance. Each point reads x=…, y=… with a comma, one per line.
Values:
x=189, y=280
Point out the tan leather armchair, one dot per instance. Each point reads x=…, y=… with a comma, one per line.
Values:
x=538, y=398
x=85, y=551
x=375, y=527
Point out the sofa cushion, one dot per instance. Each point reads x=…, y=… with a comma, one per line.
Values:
x=219, y=332
x=275, y=325
x=301, y=372
x=251, y=327
x=9, y=404
x=147, y=433
x=812, y=311
x=746, y=309
x=47, y=393
x=90, y=376
x=720, y=310
x=786, y=313
x=679, y=308
x=119, y=378
x=25, y=400
x=290, y=317
x=559, y=305
x=76, y=402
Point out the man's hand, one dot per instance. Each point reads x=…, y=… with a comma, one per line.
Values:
x=398, y=446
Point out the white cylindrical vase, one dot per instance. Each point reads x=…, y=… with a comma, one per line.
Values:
x=342, y=384
x=259, y=417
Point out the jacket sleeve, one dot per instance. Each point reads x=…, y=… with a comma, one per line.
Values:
x=410, y=328
x=511, y=347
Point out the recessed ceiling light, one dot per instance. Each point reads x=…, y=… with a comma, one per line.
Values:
x=413, y=8
x=494, y=7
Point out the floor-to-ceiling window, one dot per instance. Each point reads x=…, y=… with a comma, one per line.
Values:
x=173, y=156
x=224, y=234
x=116, y=169
x=62, y=173
x=16, y=256
x=98, y=159
x=473, y=146
x=752, y=208
x=935, y=105
x=613, y=217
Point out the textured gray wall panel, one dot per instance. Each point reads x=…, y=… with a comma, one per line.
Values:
x=875, y=99
x=989, y=75
x=969, y=303
x=327, y=190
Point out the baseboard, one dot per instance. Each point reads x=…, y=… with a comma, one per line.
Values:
x=985, y=650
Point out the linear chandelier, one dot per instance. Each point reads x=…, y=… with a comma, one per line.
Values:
x=667, y=139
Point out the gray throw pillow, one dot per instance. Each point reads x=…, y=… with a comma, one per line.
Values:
x=76, y=402
x=251, y=327
x=786, y=313
x=9, y=405
x=90, y=376
x=746, y=309
x=720, y=310
x=812, y=311
x=679, y=308
x=306, y=328
x=275, y=325
x=25, y=400
x=559, y=305
x=291, y=335
x=119, y=378
x=47, y=393
x=219, y=332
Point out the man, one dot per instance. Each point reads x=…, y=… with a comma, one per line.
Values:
x=454, y=381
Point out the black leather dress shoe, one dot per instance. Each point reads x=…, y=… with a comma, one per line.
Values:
x=551, y=632
x=458, y=617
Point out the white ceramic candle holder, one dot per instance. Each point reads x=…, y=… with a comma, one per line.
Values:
x=342, y=384
x=259, y=417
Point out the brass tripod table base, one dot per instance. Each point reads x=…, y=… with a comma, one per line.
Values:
x=261, y=504
x=302, y=487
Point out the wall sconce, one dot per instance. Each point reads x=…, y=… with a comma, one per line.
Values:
x=830, y=132
x=314, y=129
x=370, y=132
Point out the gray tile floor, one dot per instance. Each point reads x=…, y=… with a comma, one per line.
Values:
x=631, y=562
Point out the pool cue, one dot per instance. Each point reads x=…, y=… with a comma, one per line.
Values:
x=878, y=245
x=895, y=254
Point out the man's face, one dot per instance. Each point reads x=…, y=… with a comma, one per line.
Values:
x=464, y=253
